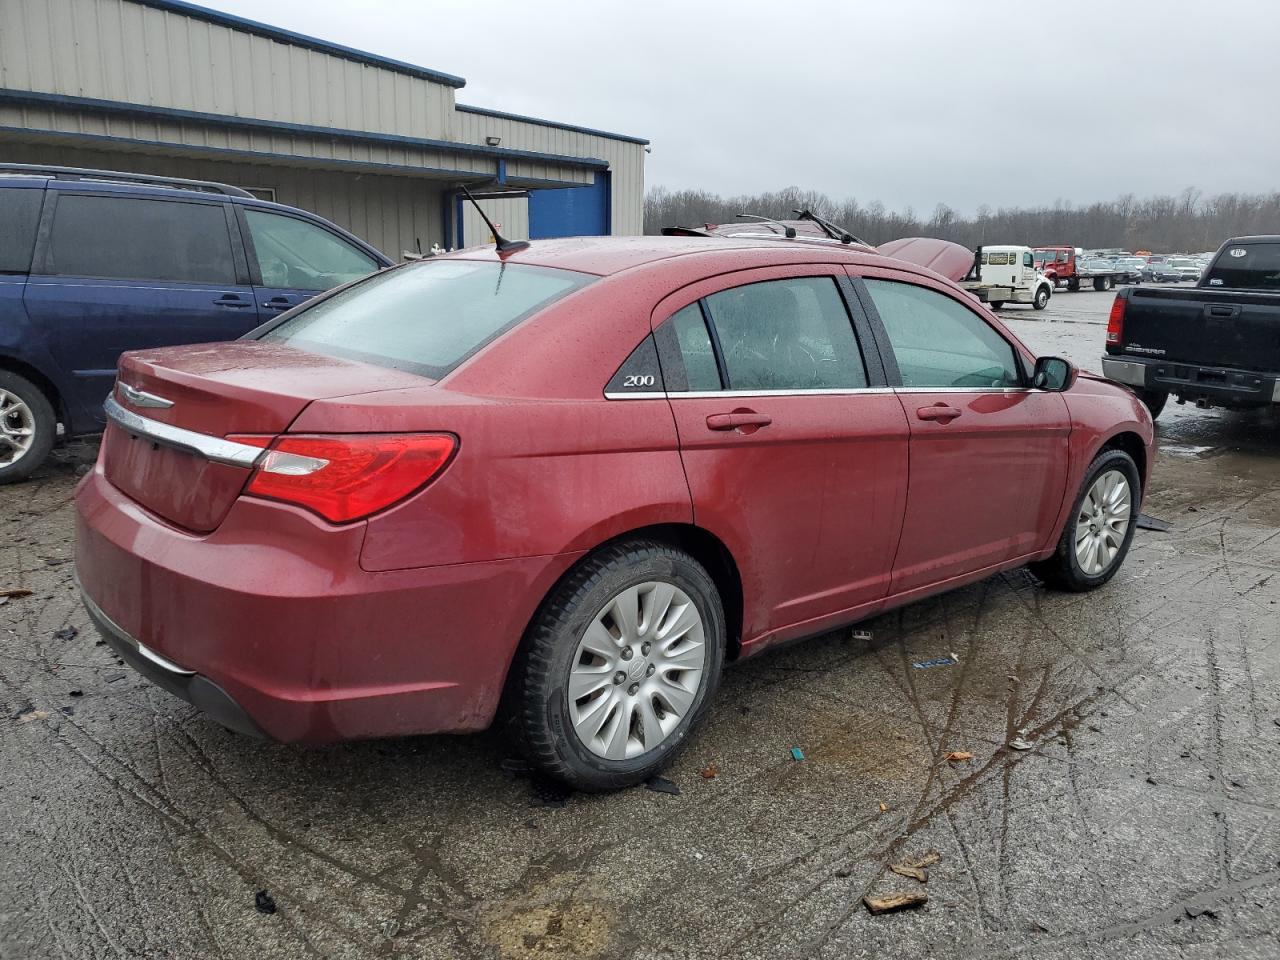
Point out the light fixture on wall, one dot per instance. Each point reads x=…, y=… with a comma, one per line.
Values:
x=493, y=141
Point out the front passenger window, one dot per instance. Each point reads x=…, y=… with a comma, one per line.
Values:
x=294, y=254
x=939, y=342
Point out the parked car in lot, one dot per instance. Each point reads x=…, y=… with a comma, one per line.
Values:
x=1187, y=268
x=1161, y=271
x=1130, y=269
x=576, y=479
x=1216, y=345
x=93, y=263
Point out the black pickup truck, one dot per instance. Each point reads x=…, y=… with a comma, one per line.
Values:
x=1216, y=344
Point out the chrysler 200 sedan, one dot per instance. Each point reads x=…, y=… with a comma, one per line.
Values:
x=566, y=485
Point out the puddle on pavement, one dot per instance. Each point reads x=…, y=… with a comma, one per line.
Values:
x=568, y=929
x=882, y=748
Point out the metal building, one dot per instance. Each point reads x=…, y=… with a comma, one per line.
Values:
x=375, y=145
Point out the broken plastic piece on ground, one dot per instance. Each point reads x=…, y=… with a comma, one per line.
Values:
x=1021, y=743
x=947, y=661
x=957, y=755
x=860, y=635
x=796, y=753
x=898, y=900
x=662, y=785
x=29, y=714
x=910, y=871
x=709, y=772
x=66, y=633
x=263, y=902
x=928, y=860
x=1145, y=522
x=884, y=808
x=390, y=928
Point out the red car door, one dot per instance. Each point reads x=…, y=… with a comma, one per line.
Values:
x=794, y=447
x=988, y=452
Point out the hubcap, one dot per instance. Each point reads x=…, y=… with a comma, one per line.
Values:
x=651, y=636
x=17, y=428
x=1103, y=522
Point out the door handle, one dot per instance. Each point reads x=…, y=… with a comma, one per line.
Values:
x=232, y=300
x=277, y=303
x=939, y=411
x=748, y=421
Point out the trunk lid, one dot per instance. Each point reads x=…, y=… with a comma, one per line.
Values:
x=214, y=391
x=1213, y=328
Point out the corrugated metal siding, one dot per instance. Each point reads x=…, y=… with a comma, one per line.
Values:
x=391, y=213
x=626, y=160
x=117, y=50
x=511, y=214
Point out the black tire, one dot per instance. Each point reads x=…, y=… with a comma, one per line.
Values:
x=1062, y=570
x=541, y=722
x=1100, y=284
x=1154, y=401
x=1042, y=297
x=1073, y=284
x=996, y=304
x=44, y=424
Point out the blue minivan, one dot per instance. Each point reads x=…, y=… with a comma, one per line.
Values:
x=94, y=263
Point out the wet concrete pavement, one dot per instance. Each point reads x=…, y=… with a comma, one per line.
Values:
x=1143, y=821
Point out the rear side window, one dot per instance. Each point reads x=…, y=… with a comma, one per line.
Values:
x=787, y=335
x=1247, y=266
x=939, y=342
x=294, y=254
x=19, y=217
x=684, y=346
x=426, y=317
x=131, y=238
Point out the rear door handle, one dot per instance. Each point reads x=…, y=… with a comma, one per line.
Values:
x=939, y=411
x=748, y=421
x=277, y=303
x=1221, y=311
x=232, y=300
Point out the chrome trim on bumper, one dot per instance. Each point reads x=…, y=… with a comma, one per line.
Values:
x=143, y=651
x=216, y=449
x=1125, y=371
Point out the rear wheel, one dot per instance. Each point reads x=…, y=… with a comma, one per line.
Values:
x=996, y=304
x=1073, y=284
x=1099, y=528
x=1154, y=401
x=1042, y=298
x=619, y=666
x=27, y=427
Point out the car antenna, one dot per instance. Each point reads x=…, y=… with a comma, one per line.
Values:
x=504, y=245
x=788, y=232
x=829, y=228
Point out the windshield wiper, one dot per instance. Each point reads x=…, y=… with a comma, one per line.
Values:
x=832, y=231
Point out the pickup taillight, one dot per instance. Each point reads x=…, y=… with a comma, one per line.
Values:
x=1115, y=322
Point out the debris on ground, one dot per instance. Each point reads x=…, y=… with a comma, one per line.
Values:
x=263, y=902
x=15, y=594
x=1021, y=743
x=860, y=635
x=67, y=711
x=948, y=661
x=75, y=693
x=390, y=928
x=709, y=772
x=844, y=872
x=1194, y=912
x=910, y=871
x=1145, y=522
x=1152, y=781
x=955, y=756
x=898, y=900
x=66, y=633
x=31, y=713
x=662, y=785
x=884, y=808
x=928, y=860
x=797, y=753
x=113, y=677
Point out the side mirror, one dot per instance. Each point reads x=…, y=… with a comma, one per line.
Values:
x=1054, y=374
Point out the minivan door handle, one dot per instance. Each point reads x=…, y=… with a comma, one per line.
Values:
x=941, y=412
x=277, y=303
x=232, y=300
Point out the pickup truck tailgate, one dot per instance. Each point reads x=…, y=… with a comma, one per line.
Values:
x=1217, y=328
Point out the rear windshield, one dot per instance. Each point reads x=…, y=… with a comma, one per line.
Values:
x=427, y=317
x=1247, y=266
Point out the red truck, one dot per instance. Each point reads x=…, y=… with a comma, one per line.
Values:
x=1067, y=266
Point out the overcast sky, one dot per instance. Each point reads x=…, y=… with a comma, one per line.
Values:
x=914, y=102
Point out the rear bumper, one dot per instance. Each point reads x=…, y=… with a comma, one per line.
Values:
x=1192, y=381
x=270, y=626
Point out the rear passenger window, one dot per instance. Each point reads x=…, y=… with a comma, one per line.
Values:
x=939, y=342
x=787, y=335
x=19, y=217
x=130, y=238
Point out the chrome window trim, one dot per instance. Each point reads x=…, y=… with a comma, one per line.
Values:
x=848, y=392
x=215, y=449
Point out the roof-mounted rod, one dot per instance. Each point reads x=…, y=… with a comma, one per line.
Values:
x=504, y=245
x=788, y=232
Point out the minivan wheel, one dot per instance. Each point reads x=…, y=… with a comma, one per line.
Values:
x=1042, y=298
x=27, y=427
x=619, y=666
x=1154, y=401
x=1099, y=528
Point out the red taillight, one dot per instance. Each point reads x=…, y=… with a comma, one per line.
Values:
x=1115, y=322
x=347, y=477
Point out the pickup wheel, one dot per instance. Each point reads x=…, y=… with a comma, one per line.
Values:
x=1042, y=298
x=1154, y=400
x=27, y=427
x=1099, y=528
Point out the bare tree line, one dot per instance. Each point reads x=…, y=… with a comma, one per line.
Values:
x=1189, y=222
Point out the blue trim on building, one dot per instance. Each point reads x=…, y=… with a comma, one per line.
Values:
x=458, y=202
x=502, y=171
x=486, y=112
x=30, y=97
x=301, y=40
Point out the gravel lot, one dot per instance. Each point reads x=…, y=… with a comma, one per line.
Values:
x=1144, y=820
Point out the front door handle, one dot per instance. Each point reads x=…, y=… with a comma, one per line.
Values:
x=941, y=412
x=748, y=421
x=277, y=303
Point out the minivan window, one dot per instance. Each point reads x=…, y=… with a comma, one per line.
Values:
x=132, y=238
x=19, y=217
x=425, y=317
x=294, y=254
x=1247, y=266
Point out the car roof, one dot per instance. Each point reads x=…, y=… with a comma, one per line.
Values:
x=604, y=256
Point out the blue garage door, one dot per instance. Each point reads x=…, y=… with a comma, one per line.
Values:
x=570, y=212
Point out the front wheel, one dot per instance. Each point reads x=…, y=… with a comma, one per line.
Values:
x=619, y=666
x=27, y=427
x=996, y=304
x=1042, y=298
x=1099, y=528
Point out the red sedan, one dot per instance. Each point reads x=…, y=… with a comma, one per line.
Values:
x=574, y=481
